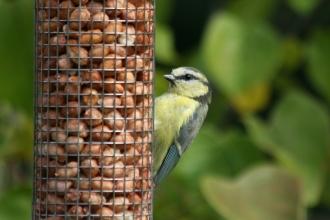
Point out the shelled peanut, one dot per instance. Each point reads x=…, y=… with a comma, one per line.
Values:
x=94, y=103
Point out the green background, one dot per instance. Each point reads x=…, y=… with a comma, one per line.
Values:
x=263, y=151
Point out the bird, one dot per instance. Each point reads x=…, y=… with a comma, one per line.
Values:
x=179, y=114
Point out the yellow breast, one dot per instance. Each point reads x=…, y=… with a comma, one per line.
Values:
x=171, y=112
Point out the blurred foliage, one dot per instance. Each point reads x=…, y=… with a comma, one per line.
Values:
x=13, y=125
x=15, y=203
x=294, y=138
x=263, y=152
x=278, y=196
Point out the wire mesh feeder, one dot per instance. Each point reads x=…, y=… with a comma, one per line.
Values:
x=93, y=109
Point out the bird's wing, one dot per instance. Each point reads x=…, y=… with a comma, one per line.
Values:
x=189, y=131
x=171, y=159
x=186, y=135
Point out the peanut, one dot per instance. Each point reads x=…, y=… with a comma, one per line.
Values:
x=108, y=103
x=133, y=173
x=98, y=52
x=69, y=171
x=108, y=157
x=59, y=80
x=131, y=155
x=57, y=98
x=124, y=185
x=91, y=150
x=50, y=118
x=54, y=151
x=114, y=171
x=101, y=133
x=53, y=25
x=65, y=9
x=79, y=55
x=92, y=77
x=119, y=204
x=58, y=135
x=113, y=7
x=66, y=64
x=111, y=62
x=57, y=43
x=98, y=21
x=111, y=31
x=71, y=110
x=55, y=200
x=75, y=34
x=92, y=198
x=75, y=144
x=106, y=213
x=72, y=196
x=80, y=2
x=122, y=140
x=76, y=211
x=114, y=120
x=127, y=79
x=94, y=7
x=94, y=36
x=44, y=134
x=79, y=18
x=129, y=13
x=93, y=117
x=59, y=186
x=90, y=167
x=90, y=96
x=100, y=183
x=111, y=86
x=76, y=127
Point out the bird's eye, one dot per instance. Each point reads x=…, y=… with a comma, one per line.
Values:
x=188, y=76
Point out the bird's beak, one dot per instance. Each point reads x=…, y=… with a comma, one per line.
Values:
x=170, y=78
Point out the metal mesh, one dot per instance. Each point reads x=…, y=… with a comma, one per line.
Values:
x=93, y=109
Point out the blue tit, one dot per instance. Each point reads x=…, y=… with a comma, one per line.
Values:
x=179, y=114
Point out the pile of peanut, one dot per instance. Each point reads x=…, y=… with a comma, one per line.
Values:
x=94, y=109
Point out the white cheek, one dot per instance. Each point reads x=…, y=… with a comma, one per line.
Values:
x=185, y=85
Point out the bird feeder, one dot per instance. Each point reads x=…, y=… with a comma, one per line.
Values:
x=94, y=68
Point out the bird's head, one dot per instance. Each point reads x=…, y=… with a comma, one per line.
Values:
x=189, y=82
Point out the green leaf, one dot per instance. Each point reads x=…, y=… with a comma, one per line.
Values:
x=252, y=10
x=175, y=192
x=213, y=151
x=297, y=135
x=16, y=133
x=165, y=45
x=303, y=7
x=239, y=55
x=16, y=204
x=164, y=14
x=264, y=192
x=325, y=197
x=254, y=99
x=225, y=153
x=292, y=53
x=161, y=84
x=16, y=43
x=318, y=62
